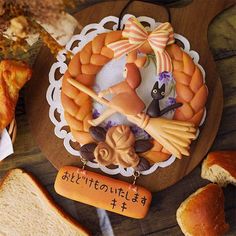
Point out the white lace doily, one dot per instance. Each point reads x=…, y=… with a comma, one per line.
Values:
x=6, y=146
x=58, y=69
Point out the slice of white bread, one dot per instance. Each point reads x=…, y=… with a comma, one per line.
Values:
x=202, y=213
x=27, y=209
x=220, y=167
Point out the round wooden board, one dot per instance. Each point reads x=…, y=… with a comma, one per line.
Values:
x=184, y=20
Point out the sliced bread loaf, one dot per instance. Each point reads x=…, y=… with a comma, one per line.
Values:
x=27, y=209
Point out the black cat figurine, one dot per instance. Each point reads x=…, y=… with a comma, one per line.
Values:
x=154, y=107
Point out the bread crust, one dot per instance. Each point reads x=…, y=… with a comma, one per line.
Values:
x=202, y=213
x=224, y=159
x=82, y=230
x=13, y=76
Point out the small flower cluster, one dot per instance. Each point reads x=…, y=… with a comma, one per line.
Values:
x=171, y=101
x=165, y=77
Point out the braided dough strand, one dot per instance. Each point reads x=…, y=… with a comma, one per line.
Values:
x=83, y=67
x=190, y=90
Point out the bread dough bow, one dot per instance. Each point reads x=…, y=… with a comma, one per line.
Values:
x=137, y=36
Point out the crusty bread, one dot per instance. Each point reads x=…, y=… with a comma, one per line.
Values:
x=220, y=167
x=27, y=209
x=202, y=213
x=13, y=76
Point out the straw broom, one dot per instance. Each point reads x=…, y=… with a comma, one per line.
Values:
x=175, y=136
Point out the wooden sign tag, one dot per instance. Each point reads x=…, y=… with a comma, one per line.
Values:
x=102, y=192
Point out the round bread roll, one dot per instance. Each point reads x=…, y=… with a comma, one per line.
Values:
x=202, y=213
x=220, y=167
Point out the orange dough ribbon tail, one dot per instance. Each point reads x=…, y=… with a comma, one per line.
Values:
x=136, y=35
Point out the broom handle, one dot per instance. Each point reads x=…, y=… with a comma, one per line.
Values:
x=93, y=95
x=151, y=126
x=140, y=121
x=88, y=91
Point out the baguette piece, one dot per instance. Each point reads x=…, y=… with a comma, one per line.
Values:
x=202, y=213
x=27, y=209
x=220, y=167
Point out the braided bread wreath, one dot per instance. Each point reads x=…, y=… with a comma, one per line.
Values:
x=191, y=90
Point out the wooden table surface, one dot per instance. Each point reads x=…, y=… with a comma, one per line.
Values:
x=161, y=218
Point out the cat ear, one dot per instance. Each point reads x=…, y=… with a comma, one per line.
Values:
x=156, y=85
x=163, y=88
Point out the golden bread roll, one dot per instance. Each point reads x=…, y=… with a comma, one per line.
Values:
x=220, y=167
x=202, y=213
x=13, y=76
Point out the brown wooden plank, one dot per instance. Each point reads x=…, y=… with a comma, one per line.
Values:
x=161, y=219
x=57, y=154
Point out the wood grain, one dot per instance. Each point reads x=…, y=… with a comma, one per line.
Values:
x=161, y=218
x=162, y=178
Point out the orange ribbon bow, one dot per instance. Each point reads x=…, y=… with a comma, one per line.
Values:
x=137, y=35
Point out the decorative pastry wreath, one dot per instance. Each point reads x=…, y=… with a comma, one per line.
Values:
x=118, y=145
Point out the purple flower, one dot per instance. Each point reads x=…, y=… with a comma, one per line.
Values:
x=96, y=114
x=139, y=132
x=109, y=124
x=165, y=77
x=135, y=129
x=170, y=101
